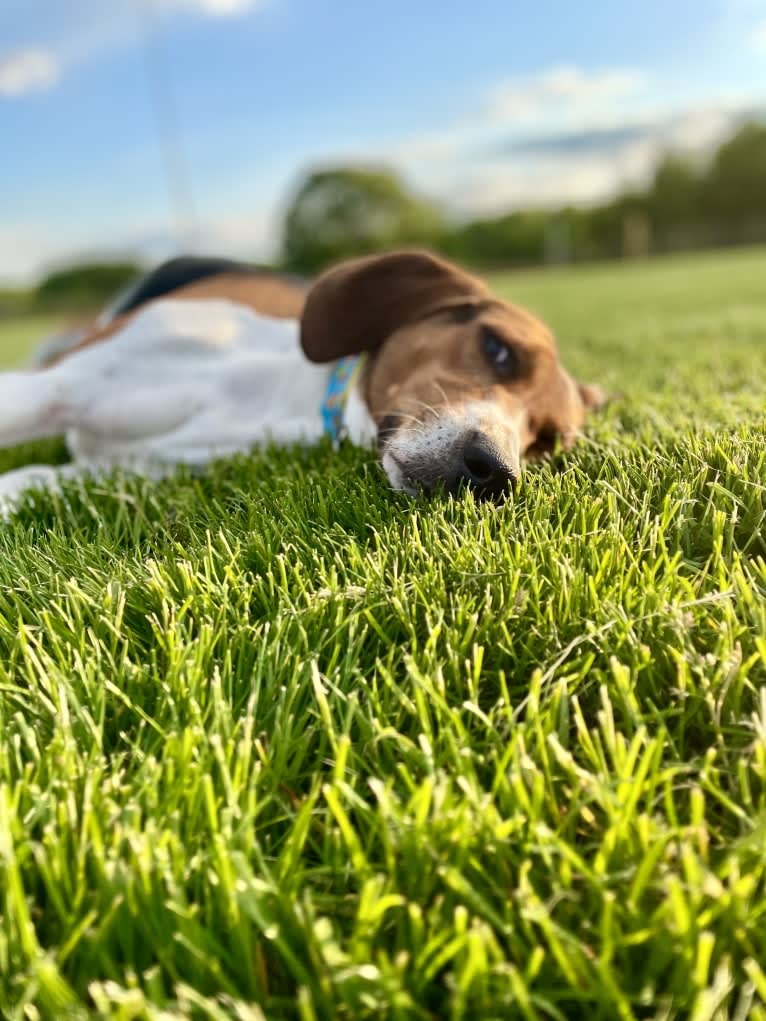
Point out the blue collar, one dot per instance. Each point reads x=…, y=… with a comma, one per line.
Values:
x=339, y=385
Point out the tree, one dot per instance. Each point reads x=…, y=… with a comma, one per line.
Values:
x=610, y=225
x=86, y=286
x=514, y=239
x=348, y=211
x=735, y=186
x=675, y=193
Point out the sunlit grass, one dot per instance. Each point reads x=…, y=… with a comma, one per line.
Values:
x=19, y=336
x=277, y=743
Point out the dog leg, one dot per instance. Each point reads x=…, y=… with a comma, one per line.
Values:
x=47, y=478
x=33, y=405
x=14, y=484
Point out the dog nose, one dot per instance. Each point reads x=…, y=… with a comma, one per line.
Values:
x=485, y=469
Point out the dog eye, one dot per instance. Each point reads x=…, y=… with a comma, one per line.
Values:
x=500, y=355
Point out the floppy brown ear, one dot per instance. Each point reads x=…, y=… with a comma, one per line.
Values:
x=356, y=305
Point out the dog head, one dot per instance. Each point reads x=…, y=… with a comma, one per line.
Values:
x=460, y=384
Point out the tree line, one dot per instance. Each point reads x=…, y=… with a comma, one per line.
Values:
x=347, y=211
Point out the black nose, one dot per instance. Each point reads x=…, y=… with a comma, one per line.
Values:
x=484, y=468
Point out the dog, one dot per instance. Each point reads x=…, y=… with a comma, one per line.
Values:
x=203, y=358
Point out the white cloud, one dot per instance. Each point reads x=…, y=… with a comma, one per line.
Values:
x=561, y=97
x=562, y=136
x=561, y=88
x=28, y=70
x=759, y=37
x=212, y=8
x=35, y=69
x=552, y=172
x=28, y=249
x=24, y=248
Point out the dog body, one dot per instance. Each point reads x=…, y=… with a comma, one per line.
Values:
x=183, y=381
x=205, y=358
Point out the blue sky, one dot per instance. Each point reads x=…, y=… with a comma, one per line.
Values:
x=153, y=125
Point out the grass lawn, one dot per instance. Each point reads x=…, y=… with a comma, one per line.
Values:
x=19, y=336
x=279, y=744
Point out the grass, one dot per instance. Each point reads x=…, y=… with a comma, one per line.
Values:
x=20, y=334
x=279, y=744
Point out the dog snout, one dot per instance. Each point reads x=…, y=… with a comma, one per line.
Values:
x=484, y=468
x=449, y=454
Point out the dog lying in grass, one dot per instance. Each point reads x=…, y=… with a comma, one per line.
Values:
x=206, y=357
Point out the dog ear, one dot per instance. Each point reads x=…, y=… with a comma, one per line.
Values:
x=356, y=305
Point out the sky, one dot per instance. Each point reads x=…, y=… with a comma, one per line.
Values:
x=146, y=127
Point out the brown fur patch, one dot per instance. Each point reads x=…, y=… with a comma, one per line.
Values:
x=436, y=364
x=271, y=296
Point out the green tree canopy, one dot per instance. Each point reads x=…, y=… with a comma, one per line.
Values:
x=675, y=193
x=86, y=285
x=735, y=188
x=348, y=211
